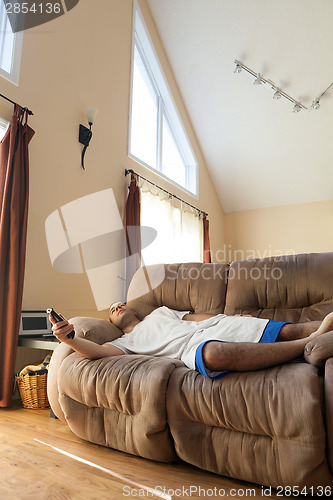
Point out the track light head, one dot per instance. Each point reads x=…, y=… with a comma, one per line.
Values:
x=315, y=104
x=258, y=80
x=238, y=68
x=297, y=108
x=277, y=94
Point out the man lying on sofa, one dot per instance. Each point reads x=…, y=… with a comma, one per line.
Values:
x=213, y=345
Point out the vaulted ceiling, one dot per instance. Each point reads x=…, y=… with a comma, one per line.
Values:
x=259, y=153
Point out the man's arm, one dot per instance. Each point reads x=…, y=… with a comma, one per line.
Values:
x=82, y=346
x=197, y=316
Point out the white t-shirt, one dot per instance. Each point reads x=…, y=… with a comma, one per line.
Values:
x=164, y=333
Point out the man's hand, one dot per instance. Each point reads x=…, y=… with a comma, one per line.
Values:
x=61, y=329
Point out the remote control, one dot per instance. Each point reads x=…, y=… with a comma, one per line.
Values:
x=57, y=318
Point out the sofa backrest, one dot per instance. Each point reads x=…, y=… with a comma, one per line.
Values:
x=294, y=288
x=191, y=286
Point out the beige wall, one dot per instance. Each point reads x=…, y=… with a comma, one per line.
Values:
x=277, y=231
x=83, y=59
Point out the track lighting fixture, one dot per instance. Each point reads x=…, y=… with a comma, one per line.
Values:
x=238, y=68
x=278, y=93
x=297, y=107
x=257, y=81
x=316, y=103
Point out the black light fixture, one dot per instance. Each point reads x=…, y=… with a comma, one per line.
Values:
x=85, y=134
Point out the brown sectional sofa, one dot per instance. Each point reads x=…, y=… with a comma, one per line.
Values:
x=273, y=427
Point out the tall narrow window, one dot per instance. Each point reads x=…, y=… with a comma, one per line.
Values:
x=173, y=165
x=144, y=113
x=10, y=48
x=157, y=137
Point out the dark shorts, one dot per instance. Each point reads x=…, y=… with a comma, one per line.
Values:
x=270, y=334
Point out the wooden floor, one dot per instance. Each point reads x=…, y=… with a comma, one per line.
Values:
x=40, y=458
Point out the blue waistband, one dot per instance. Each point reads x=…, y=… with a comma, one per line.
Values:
x=272, y=330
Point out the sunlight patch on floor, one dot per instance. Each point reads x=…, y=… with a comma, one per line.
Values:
x=124, y=479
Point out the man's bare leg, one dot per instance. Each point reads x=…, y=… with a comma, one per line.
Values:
x=246, y=356
x=294, y=331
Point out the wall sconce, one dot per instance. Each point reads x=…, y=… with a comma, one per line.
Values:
x=85, y=134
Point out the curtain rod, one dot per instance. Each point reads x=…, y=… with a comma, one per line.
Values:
x=7, y=99
x=130, y=171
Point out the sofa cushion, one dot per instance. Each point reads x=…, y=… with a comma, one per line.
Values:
x=296, y=288
x=119, y=402
x=95, y=329
x=264, y=426
x=192, y=286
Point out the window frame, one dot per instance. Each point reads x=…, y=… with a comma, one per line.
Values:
x=166, y=106
x=14, y=75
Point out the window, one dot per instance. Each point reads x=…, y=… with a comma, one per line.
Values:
x=10, y=48
x=179, y=230
x=157, y=137
x=4, y=124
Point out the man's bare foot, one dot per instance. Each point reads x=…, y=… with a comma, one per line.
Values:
x=326, y=326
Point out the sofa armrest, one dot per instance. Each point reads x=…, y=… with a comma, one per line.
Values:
x=119, y=402
x=95, y=329
x=329, y=409
x=59, y=354
x=318, y=350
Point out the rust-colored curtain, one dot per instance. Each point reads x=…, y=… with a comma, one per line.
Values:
x=132, y=229
x=14, y=192
x=206, y=244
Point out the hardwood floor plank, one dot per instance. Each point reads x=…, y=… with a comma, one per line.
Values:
x=41, y=458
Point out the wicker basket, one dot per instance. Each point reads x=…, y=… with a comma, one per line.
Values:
x=33, y=391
